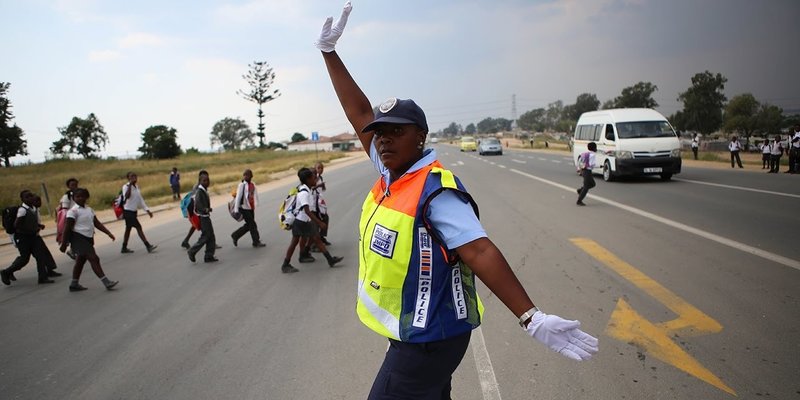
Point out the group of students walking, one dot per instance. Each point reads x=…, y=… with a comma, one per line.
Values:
x=77, y=222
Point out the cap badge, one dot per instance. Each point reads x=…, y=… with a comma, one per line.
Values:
x=387, y=105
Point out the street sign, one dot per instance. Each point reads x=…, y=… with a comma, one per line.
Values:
x=315, y=136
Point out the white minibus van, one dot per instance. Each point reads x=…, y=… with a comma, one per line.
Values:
x=630, y=142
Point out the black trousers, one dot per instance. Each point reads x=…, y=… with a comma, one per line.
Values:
x=794, y=160
x=735, y=155
x=28, y=246
x=249, y=225
x=207, y=238
x=694, y=151
x=419, y=371
x=588, y=183
x=775, y=163
x=765, y=160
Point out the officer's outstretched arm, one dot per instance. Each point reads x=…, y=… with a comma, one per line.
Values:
x=560, y=335
x=355, y=104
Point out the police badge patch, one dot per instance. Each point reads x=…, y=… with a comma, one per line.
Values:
x=387, y=105
x=382, y=241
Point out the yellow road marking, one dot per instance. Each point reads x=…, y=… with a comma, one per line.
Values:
x=630, y=327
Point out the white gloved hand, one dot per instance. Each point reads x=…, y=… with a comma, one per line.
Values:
x=329, y=36
x=562, y=336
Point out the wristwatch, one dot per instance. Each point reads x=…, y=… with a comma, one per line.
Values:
x=527, y=315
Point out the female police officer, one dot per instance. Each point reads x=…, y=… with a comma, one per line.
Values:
x=420, y=247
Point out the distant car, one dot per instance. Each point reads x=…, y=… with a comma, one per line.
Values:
x=468, y=144
x=435, y=140
x=490, y=146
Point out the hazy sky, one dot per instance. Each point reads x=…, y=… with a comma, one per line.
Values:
x=179, y=63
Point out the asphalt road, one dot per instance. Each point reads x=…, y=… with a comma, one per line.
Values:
x=691, y=286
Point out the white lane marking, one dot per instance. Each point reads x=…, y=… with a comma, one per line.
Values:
x=492, y=163
x=567, y=159
x=738, y=188
x=519, y=161
x=542, y=159
x=699, y=232
x=556, y=161
x=460, y=163
x=489, y=386
x=501, y=165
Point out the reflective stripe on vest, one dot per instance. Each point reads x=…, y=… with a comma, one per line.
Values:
x=406, y=290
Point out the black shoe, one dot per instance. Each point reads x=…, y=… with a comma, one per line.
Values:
x=259, y=244
x=210, y=259
x=216, y=246
x=580, y=203
x=5, y=276
x=11, y=276
x=191, y=256
x=306, y=259
x=76, y=288
x=46, y=280
x=53, y=274
x=334, y=260
x=111, y=285
x=151, y=248
x=70, y=254
x=288, y=269
x=186, y=245
x=326, y=242
x=579, y=190
x=126, y=250
x=235, y=241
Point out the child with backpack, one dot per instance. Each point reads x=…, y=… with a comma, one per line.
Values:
x=306, y=225
x=25, y=229
x=245, y=203
x=64, y=205
x=202, y=207
x=79, y=234
x=586, y=161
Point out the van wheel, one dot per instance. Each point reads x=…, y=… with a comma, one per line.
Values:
x=608, y=175
x=666, y=177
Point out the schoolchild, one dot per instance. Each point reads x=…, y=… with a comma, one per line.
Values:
x=766, y=154
x=41, y=252
x=794, y=151
x=202, y=207
x=695, y=145
x=185, y=244
x=26, y=238
x=64, y=205
x=245, y=203
x=305, y=226
x=321, y=203
x=776, y=151
x=175, y=183
x=133, y=202
x=735, y=147
x=586, y=161
x=79, y=234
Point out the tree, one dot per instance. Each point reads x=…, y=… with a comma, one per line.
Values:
x=607, y=105
x=11, y=137
x=770, y=119
x=703, y=102
x=260, y=77
x=160, y=142
x=494, y=125
x=452, y=130
x=553, y=114
x=585, y=102
x=275, y=145
x=741, y=116
x=532, y=120
x=678, y=121
x=298, y=137
x=637, y=96
x=470, y=129
x=84, y=137
x=232, y=134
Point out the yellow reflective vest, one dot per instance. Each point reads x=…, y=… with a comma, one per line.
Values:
x=409, y=287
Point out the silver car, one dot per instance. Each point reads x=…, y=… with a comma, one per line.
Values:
x=490, y=146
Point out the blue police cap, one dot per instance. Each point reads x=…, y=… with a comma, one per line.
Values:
x=398, y=111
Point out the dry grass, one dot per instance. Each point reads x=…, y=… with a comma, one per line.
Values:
x=104, y=178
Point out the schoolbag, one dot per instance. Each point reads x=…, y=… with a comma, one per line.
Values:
x=187, y=205
x=287, y=212
x=9, y=218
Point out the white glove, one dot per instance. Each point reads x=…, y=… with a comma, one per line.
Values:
x=562, y=336
x=328, y=37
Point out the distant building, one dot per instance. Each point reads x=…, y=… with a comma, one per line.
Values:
x=340, y=142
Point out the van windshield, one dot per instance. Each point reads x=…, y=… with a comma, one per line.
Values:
x=644, y=129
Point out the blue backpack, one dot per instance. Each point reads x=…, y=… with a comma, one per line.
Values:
x=187, y=205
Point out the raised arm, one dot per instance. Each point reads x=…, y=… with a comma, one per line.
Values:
x=355, y=104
